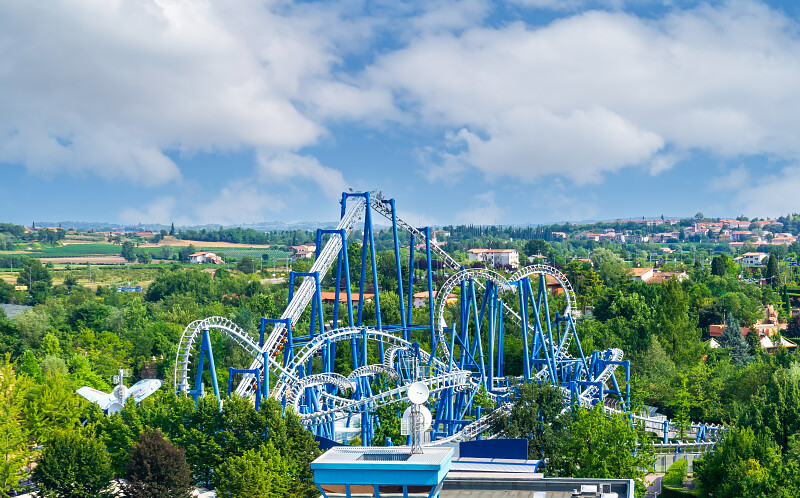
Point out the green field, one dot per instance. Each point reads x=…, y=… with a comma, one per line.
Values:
x=74, y=250
x=237, y=253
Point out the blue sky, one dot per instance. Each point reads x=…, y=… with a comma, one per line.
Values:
x=526, y=111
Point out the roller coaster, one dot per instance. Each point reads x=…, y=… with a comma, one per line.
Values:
x=504, y=328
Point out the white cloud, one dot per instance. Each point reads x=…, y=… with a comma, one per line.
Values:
x=113, y=88
x=282, y=167
x=108, y=153
x=239, y=202
x=598, y=91
x=555, y=203
x=416, y=219
x=484, y=210
x=735, y=179
x=106, y=87
x=159, y=211
x=439, y=165
x=552, y=4
x=773, y=196
x=450, y=15
x=529, y=142
x=664, y=162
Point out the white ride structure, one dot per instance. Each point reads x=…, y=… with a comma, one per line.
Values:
x=114, y=401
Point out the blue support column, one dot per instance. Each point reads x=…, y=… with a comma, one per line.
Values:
x=368, y=221
x=543, y=297
x=261, y=330
x=346, y=258
x=500, y=340
x=492, y=302
x=427, y=232
x=205, y=352
x=246, y=371
x=399, y=271
x=265, y=382
x=410, y=284
x=287, y=322
x=523, y=311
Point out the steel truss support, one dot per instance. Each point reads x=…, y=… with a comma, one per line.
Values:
x=205, y=352
x=466, y=362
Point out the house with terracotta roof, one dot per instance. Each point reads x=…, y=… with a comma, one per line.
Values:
x=541, y=258
x=498, y=257
x=421, y=299
x=305, y=247
x=771, y=344
x=330, y=297
x=740, y=235
x=783, y=238
x=422, y=245
x=643, y=274
x=303, y=254
x=663, y=276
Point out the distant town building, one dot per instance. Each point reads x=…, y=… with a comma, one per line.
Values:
x=643, y=274
x=434, y=243
x=421, y=299
x=752, y=259
x=498, y=257
x=303, y=254
x=205, y=257
x=653, y=276
x=783, y=238
x=330, y=297
x=305, y=247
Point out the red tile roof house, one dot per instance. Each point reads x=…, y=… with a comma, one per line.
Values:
x=498, y=257
x=766, y=329
x=421, y=299
x=783, y=238
x=330, y=297
x=303, y=254
x=305, y=247
x=643, y=274
x=740, y=235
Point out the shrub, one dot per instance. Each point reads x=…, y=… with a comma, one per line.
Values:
x=157, y=468
x=73, y=465
x=676, y=473
x=677, y=492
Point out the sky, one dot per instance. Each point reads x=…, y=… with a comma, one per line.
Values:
x=517, y=112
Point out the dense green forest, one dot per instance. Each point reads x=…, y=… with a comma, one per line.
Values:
x=75, y=336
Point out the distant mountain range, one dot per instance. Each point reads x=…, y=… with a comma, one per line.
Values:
x=99, y=226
